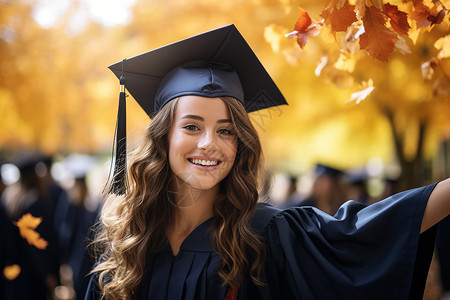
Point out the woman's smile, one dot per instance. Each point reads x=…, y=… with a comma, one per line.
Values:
x=204, y=162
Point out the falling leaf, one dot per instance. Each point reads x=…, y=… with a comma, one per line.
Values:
x=11, y=272
x=367, y=88
x=377, y=40
x=443, y=44
x=303, y=21
x=323, y=62
x=340, y=18
x=428, y=67
x=27, y=223
x=304, y=28
x=351, y=40
x=398, y=19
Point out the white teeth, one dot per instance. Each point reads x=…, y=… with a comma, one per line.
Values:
x=203, y=162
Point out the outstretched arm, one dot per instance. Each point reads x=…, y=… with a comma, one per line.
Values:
x=438, y=206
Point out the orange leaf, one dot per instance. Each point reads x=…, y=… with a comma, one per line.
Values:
x=399, y=19
x=303, y=21
x=377, y=40
x=27, y=223
x=438, y=18
x=11, y=272
x=340, y=18
x=302, y=37
x=421, y=14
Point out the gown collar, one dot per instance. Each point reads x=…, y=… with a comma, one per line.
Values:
x=198, y=240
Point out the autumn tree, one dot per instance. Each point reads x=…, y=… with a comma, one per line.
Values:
x=398, y=52
x=60, y=97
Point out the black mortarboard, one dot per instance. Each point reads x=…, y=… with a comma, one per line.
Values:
x=322, y=169
x=357, y=176
x=27, y=161
x=212, y=64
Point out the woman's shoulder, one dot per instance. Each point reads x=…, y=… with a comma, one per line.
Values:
x=263, y=215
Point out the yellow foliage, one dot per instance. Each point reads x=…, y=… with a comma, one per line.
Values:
x=346, y=62
x=443, y=44
x=60, y=96
x=274, y=34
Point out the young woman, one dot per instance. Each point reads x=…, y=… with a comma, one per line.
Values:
x=189, y=225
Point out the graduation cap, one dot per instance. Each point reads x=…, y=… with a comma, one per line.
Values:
x=26, y=162
x=213, y=64
x=322, y=169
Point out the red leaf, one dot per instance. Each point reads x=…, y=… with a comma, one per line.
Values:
x=420, y=14
x=399, y=19
x=303, y=21
x=438, y=18
x=302, y=37
x=303, y=28
x=377, y=40
x=340, y=19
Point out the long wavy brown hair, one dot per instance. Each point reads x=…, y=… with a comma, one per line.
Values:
x=133, y=227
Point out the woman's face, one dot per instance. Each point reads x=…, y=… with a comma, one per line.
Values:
x=202, y=141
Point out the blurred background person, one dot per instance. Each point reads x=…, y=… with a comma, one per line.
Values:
x=4, y=224
x=37, y=278
x=391, y=187
x=76, y=216
x=357, y=187
x=328, y=189
x=293, y=197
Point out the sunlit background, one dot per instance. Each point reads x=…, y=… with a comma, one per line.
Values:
x=58, y=97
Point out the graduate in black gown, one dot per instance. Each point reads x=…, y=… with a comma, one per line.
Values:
x=185, y=221
x=37, y=278
x=76, y=216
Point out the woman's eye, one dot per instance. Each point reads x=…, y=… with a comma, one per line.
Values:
x=225, y=131
x=191, y=127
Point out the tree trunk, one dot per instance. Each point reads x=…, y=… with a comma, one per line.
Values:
x=412, y=170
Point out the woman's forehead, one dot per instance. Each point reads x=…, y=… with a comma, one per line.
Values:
x=204, y=107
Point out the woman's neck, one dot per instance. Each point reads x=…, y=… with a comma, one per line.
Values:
x=193, y=207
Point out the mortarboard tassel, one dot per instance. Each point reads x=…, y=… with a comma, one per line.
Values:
x=119, y=184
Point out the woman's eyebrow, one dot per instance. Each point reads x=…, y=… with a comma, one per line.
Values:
x=193, y=117
x=196, y=117
x=224, y=121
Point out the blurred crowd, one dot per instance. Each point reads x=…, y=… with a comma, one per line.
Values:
x=60, y=196
x=68, y=201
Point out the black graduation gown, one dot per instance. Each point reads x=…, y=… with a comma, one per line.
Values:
x=373, y=252
x=35, y=264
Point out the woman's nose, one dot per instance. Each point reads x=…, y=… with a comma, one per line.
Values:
x=206, y=141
